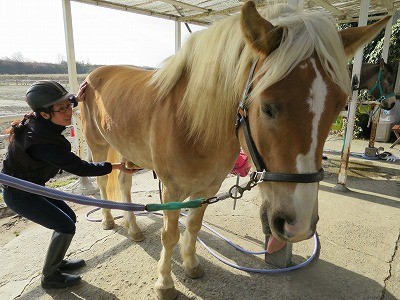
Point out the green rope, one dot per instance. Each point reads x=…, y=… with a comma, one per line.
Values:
x=175, y=205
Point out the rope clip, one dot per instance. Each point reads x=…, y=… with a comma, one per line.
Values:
x=236, y=191
x=211, y=200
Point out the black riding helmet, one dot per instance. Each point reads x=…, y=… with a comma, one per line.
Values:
x=45, y=93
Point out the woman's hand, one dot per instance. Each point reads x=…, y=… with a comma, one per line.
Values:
x=121, y=167
x=81, y=93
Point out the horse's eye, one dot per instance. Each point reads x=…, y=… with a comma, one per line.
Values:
x=269, y=111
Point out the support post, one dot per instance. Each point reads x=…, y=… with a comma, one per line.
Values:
x=375, y=118
x=178, y=35
x=397, y=85
x=342, y=176
x=83, y=185
x=386, y=39
x=374, y=125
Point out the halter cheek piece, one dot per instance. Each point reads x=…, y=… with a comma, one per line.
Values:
x=242, y=120
x=378, y=85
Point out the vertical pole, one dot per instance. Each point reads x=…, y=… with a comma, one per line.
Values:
x=69, y=42
x=83, y=185
x=386, y=40
x=342, y=177
x=397, y=85
x=178, y=35
x=236, y=191
x=377, y=110
x=71, y=63
x=374, y=125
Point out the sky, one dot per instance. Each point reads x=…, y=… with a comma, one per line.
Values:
x=34, y=30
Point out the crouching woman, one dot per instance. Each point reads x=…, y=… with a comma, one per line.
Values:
x=36, y=153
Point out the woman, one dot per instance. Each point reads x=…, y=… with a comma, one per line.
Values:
x=36, y=153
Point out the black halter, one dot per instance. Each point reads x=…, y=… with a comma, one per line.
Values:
x=262, y=174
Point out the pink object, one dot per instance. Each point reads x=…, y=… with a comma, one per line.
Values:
x=242, y=165
x=72, y=132
x=274, y=244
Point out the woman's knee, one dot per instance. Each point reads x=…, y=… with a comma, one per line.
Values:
x=69, y=228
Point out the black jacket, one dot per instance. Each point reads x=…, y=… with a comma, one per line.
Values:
x=39, y=152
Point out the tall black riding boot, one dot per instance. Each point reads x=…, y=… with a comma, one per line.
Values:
x=52, y=277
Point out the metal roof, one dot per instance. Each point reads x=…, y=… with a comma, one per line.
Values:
x=205, y=12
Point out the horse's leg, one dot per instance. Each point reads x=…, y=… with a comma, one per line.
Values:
x=108, y=219
x=99, y=153
x=134, y=232
x=191, y=263
x=164, y=286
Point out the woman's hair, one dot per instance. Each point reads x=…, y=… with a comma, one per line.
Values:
x=17, y=127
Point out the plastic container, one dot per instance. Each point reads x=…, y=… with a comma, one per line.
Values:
x=392, y=115
x=383, y=131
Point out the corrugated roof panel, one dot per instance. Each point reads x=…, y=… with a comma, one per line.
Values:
x=204, y=12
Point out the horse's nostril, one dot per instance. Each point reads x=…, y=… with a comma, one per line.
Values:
x=279, y=224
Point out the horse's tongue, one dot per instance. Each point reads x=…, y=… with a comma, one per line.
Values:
x=274, y=244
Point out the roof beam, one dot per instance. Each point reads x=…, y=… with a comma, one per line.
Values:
x=226, y=12
x=329, y=7
x=185, y=5
x=106, y=4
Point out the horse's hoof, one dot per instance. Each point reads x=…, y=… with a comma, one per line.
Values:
x=166, y=294
x=195, y=272
x=107, y=225
x=137, y=237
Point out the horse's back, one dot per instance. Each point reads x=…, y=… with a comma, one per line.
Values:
x=111, y=79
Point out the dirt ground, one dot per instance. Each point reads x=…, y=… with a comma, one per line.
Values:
x=359, y=234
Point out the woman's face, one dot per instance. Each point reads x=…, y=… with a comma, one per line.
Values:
x=61, y=113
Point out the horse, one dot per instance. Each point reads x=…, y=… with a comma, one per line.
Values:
x=379, y=79
x=270, y=82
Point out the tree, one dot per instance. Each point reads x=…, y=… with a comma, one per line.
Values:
x=17, y=56
x=373, y=51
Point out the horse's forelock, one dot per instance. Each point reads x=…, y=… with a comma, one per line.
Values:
x=304, y=35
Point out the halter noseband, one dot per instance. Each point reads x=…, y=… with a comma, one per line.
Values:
x=262, y=174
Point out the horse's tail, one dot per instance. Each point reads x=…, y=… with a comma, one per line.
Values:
x=113, y=187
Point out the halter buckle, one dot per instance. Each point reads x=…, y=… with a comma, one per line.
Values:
x=257, y=176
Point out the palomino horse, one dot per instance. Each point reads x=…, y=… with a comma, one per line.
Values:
x=180, y=120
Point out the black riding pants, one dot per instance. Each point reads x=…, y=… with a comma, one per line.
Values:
x=50, y=213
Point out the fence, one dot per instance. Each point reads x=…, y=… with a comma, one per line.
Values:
x=28, y=82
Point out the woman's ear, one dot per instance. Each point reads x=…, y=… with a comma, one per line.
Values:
x=45, y=115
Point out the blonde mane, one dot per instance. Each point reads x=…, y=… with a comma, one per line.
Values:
x=216, y=61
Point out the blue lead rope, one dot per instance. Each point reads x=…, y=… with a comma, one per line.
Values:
x=84, y=200
x=60, y=195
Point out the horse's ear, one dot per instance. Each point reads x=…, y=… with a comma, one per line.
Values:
x=382, y=63
x=262, y=36
x=355, y=37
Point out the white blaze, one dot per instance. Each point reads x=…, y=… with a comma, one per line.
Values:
x=305, y=194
